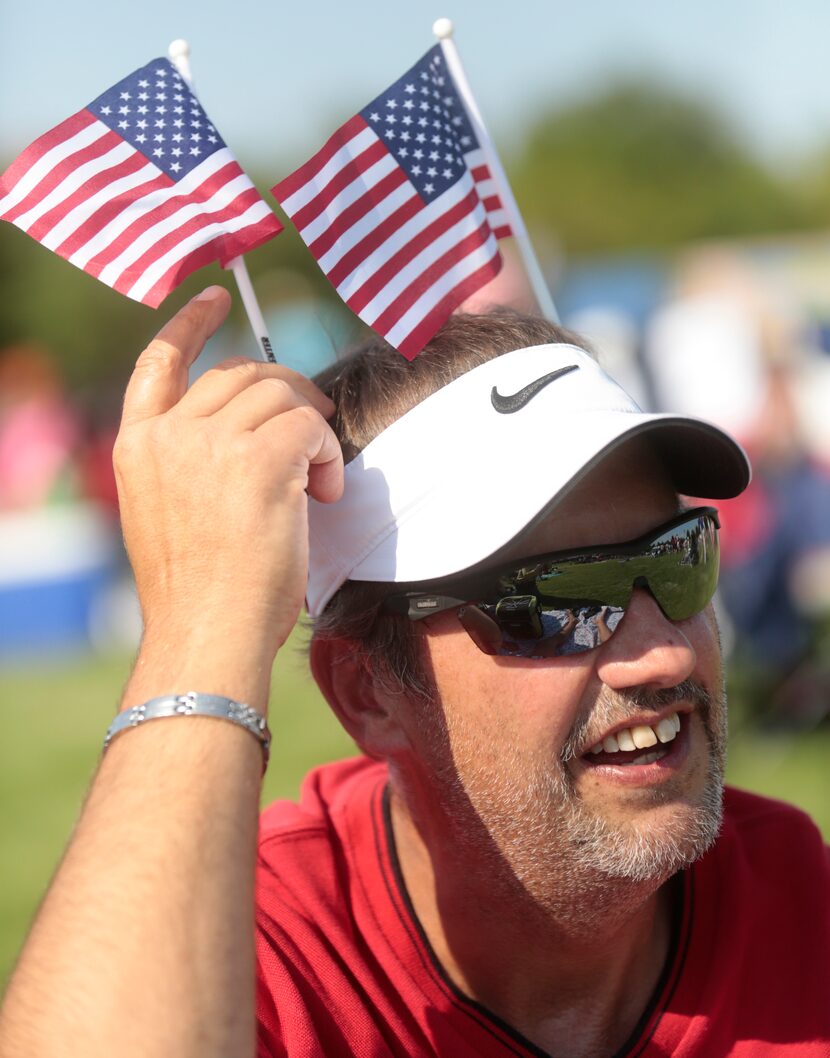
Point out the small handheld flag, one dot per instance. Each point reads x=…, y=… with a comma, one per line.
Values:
x=399, y=207
x=138, y=188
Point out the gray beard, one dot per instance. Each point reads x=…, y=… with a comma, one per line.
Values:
x=643, y=855
x=523, y=822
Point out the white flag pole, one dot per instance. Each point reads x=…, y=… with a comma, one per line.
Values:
x=443, y=30
x=179, y=52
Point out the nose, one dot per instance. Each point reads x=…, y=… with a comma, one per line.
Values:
x=647, y=649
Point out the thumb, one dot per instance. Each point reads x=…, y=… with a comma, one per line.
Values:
x=159, y=380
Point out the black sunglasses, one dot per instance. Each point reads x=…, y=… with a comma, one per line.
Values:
x=567, y=602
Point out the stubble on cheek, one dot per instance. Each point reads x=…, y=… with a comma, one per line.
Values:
x=517, y=807
x=636, y=845
x=502, y=782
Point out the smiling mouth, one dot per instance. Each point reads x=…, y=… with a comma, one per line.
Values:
x=641, y=744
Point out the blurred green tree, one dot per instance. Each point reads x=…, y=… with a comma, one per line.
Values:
x=811, y=180
x=639, y=166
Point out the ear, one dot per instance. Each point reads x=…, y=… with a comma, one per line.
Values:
x=344, y=675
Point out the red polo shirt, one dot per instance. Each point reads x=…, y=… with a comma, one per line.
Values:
x=344, y=968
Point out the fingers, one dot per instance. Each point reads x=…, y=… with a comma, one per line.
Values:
x=241, y=396
x=302, y=433
x=281, y=415
x=221, y=386
x=259, y=402
x=160, y=376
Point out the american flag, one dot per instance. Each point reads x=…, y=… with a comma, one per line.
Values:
x=400, y=209
x=138, y=188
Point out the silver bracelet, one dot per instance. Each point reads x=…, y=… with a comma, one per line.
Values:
x=194, y=704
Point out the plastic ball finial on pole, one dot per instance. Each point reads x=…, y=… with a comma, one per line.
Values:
x=179, y=52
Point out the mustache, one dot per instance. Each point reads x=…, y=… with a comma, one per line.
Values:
x=613, y=708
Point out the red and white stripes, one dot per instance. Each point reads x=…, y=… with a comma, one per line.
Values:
x=401, y=263
x=89, y=196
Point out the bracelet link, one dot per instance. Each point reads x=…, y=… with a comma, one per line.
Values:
x=137, y=716
x=186, y=703
x=193, y=703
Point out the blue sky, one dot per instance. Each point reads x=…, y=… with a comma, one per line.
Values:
x=277, y=78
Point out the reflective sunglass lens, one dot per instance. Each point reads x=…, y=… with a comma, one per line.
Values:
x=684, y=571
x=567, y=603
x=573, y=604
x=563, y=632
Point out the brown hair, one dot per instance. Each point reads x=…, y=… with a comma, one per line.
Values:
x=372, y=388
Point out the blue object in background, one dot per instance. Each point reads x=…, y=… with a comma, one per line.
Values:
x=55, y=565
x=634, y=284
x=308, y=334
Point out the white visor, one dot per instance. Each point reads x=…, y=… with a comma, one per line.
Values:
x=455, y=479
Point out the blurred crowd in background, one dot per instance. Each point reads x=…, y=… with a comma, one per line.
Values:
x=728, y=320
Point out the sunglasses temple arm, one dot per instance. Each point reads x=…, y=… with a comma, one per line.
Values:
x=417, y=607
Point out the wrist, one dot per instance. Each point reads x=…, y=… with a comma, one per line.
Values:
x=217, y=660
x=215, y=605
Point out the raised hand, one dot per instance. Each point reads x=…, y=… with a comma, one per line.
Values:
x=213, y=485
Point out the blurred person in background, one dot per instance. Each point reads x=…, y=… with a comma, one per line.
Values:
x=533, y=854
x=38, y=430
x=59, y=534
x=780, y=531
x=727, y=349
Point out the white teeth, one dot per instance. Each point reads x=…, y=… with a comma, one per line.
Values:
x=640, y=737
x=643, y=736
x=625, y=740
x=665, y=730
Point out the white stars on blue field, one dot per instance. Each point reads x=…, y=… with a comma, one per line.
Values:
x=424, y=125
x=155, y=112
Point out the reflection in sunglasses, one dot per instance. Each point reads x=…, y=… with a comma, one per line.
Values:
x=570, y=602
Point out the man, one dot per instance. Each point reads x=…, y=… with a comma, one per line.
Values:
x=513, y=621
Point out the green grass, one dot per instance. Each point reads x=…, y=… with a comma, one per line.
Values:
x=53, y=719
x=54, y=715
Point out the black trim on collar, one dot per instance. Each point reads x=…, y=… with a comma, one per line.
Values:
x=670, y=975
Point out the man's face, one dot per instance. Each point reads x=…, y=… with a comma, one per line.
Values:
x=503, y=755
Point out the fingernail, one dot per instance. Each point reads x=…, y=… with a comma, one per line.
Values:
x=209, y=294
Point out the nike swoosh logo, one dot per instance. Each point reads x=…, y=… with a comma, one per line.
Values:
x=507, y=405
